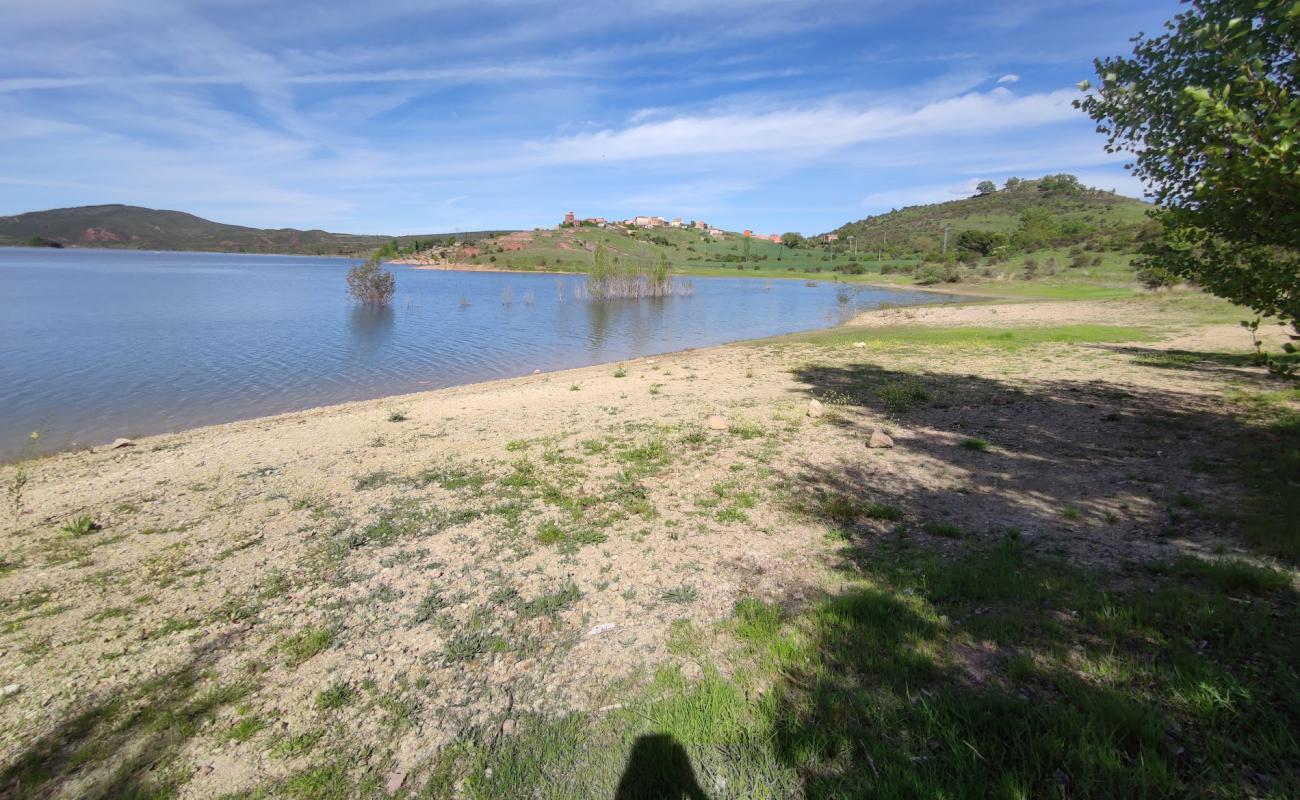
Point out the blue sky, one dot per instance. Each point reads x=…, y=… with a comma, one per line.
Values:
x=411, y=117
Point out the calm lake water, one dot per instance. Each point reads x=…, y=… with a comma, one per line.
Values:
x=96, y=344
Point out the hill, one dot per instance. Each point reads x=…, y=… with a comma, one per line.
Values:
x=1074, y=209
x=1050, y=237
x=134, y=227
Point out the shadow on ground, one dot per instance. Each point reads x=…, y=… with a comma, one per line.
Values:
x=999, y=673
x=120, y=745
x=658, y=768
x=1026, y=615
x=1093, y=466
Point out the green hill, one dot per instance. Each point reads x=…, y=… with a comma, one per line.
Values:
x=1076, y=212
x=133, y=227
x=1050, y=237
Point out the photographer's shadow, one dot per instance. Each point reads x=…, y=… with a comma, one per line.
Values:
x=658, y=769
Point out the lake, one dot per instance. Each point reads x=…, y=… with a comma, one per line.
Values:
x=96, y=344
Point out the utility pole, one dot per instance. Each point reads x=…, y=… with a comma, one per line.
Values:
x=853, y=245
x=884, y=242
x=945, y=240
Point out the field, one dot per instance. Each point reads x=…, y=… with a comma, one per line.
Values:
x=1073, y=574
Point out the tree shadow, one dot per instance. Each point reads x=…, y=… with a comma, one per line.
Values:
x=658, y=768
x=1088, y=464
x=119, y=744
x=1246, y=365
x=984, y=674
x=1023, y=615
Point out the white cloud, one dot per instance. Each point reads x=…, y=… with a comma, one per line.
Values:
x=808, y=131
x=1010, y=77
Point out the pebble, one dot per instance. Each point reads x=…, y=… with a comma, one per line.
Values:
x=879, y=439
x=604, y=627
x=718, y=423
x=508, y=728
x=11, y=689
x=815, y=408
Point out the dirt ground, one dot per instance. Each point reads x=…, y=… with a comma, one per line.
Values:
x=393, y=576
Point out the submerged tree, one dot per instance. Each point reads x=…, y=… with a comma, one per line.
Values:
x=370, y=284
x=1211, y=112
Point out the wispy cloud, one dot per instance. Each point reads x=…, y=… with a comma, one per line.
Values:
x=803, y=131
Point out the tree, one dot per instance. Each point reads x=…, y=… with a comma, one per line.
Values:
x=980, y=242
x=1211, y=112
x=792, y=240
x=985, y=187
x=1036, y=229
x=1012, y=184
x=371, y=284
x=1064, y=183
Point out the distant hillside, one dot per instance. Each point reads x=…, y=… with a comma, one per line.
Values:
x=133, y=227
x=919, y=229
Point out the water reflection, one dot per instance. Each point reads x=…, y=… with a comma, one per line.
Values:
x=372, y=328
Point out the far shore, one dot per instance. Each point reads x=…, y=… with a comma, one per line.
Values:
x=414, y=264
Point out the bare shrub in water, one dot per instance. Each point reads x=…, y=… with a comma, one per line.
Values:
x=371, y=284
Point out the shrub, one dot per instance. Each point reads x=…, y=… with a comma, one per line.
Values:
x=370, y=284
x=930, y=274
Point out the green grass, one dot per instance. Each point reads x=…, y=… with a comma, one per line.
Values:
x=336, y=695
x=975, y=445
x=1268, y=463
x=428, y=607
x=948, y=530
x=1232, y=576
x=1009, y=339
x=80, y=526
x=306, y=643
x=995, y=673
x=245, y=729
x=552, y=602
x=680, y=594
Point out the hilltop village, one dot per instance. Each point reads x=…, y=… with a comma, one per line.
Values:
x=645, y=221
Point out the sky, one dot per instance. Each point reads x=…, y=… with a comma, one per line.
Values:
x=420, y=117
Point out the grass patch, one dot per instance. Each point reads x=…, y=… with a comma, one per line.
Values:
x=373, y=480
x=1232, y=576
x=80, y=526
x=305, y=644
x=944, y=528
x=336, y=695
x=975, y=445
x=551, y=603
x=428, y=607
x=971, y=337
x=680, y=594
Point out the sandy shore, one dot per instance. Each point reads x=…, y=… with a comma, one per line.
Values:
x=526, y=545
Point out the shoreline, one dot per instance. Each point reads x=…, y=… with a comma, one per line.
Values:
x=105, y=444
